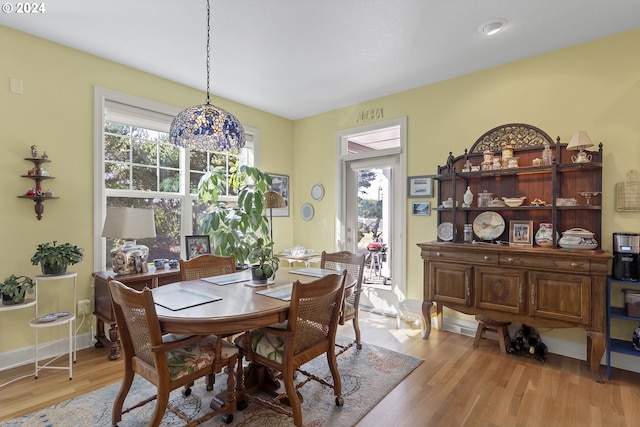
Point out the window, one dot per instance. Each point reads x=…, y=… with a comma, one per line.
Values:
x=137, y=166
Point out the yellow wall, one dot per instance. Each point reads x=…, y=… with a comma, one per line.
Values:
x=55, y=112
x=593, y=87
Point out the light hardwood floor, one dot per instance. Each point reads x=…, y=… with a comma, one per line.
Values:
x=456, y=385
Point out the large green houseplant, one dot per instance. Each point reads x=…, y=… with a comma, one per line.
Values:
x=15, y=288
x=54, y=258
x=236, y=228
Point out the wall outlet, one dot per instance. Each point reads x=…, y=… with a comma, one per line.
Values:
x=84, y=307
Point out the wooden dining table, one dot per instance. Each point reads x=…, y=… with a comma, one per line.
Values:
x=232, y=305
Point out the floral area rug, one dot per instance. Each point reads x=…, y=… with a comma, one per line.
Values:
x=367, y=376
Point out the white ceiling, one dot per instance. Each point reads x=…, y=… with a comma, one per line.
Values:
x=297, y=58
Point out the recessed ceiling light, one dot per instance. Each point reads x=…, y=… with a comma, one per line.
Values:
x=492, y=27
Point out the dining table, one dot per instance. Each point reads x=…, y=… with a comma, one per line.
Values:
x=232, y=304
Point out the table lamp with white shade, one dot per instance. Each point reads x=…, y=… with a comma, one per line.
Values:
x=579, y=141
x=129, y=224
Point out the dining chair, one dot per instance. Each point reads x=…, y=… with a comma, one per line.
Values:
x=206, y=265
x=309, y=332
x=354, y=264
x=166, y=361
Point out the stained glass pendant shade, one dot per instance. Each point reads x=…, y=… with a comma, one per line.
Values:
x=206, y=127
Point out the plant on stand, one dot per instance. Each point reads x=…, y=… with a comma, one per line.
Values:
x=54, y=258
x=15, y=288
x=236, y=228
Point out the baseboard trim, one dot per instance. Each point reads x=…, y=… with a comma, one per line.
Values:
x=26, y=355
x=574, y=350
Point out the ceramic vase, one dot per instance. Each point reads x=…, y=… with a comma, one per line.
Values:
x=468, y=198
x=544, y=235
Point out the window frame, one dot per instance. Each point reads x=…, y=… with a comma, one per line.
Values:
x=156, y=112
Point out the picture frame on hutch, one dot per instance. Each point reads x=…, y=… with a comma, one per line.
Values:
x=420, y=186
x=521, y=233
x=280, y=184
x=197, y=245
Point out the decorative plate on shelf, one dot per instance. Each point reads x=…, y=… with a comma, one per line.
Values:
x=445, y=231
x=48, y=318
x=488, y=225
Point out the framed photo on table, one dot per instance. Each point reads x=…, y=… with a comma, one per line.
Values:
x=420, y=186
x=197, y=245
x=521, y=233
x=280, y=184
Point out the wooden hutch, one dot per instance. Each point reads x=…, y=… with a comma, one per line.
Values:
x=550, y=286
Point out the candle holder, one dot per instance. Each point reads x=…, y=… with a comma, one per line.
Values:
x=588, y=195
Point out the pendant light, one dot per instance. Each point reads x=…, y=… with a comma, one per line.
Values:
x=206, y=127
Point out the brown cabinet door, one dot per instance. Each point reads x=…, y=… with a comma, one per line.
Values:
x=450, y=283
x=500, y=289
x=565, y=297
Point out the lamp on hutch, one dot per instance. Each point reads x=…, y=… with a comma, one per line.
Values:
x=579, y=141
x=129, y=224
x=206, y=127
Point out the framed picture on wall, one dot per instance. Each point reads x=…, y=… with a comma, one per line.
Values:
x=421, y=208
x=280, y=184
x=521, y=233
x=420, y=186
x=197, y=245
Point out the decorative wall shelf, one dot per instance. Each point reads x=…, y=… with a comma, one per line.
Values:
x=38, y=176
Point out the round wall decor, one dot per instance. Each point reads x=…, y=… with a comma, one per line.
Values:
x=317, y=192
x=306, y=211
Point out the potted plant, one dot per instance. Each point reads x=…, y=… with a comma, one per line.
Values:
x=235, y=228
x=264, y=263
x=54, y=258
x=15, y=288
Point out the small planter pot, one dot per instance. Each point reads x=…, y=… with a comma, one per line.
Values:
x=7, y=300
x=53, y=270
x=256, y=278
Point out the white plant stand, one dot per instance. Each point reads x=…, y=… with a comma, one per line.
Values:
x=68, y=320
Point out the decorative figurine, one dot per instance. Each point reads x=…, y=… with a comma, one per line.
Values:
x=45, y=156
x=34, y=151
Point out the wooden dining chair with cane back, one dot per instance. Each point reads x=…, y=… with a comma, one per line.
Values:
x=166, y=361
x=354, y=264
x=309, y=332
x=206, y=265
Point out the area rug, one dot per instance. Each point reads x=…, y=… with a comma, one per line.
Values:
x=368, y=375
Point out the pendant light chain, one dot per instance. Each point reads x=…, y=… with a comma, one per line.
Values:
x=206, y=127
x=208, y=47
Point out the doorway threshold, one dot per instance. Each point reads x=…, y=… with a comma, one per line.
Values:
x=376, y=310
